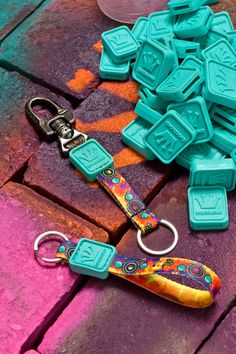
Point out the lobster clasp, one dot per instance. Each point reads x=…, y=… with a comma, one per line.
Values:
x=59, y=124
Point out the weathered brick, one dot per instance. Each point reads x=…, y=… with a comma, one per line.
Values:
x=32, y=295
x=122, y=318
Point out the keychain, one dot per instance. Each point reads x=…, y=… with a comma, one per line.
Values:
x=93, y=258
x=95, y=163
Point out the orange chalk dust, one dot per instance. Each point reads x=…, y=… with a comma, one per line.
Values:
x=83, y=78
x=127, y=90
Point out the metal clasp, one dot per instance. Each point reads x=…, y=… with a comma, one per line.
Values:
x=59, y=124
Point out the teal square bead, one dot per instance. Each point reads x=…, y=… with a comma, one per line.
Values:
x=111, y=71
x=91, y=159
x=220, y=83
x=151, y=99
x=210, y=2
x=194, y=24
x=221, y=51
x=169, y=136
x=222, y=22
x=133, y=134
x=180, y=84
x=154, y=62
x=208, y=208
x=210, y=38
x=200, y=152
x=120, y=44
x=193, y=62
x=195, y=113
x=147, y=113
x=224, y=116
x=169, y=43
x=160, y=24
x=92, y=258
x=179, y=7
x=232, y=35
x=184, y=48
x=223, y=138
x=140, y=29
x=213, y=173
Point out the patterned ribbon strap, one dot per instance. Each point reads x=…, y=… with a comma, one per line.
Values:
x=128, y=200
x=148, y=274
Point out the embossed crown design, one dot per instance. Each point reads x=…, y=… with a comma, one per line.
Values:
x=88, y=254
x=120, y=39
x=166, y=141
x=192, y=117
x=150, y=61
x=221, y=80
x=89, y=154
x=208, y=201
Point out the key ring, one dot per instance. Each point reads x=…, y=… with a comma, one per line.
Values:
x=167, y=250
x=42, y=237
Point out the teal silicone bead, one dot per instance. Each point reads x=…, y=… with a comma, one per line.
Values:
x=210, y=2
x=133, y=134
x=180, y=84
x=184, y=48
x=91, y=159
x=92, y=258
x=195, y=113
x=112, y=71
x=222, y=52
x=194, y=24
x=193, y=62
x=213, y=173
x=160, y=24
x=169, y=136
x=120, y=44
x=169, y=43
x=223, y=138
x=208, y=208
x=210, y=38
x=224, y=116
x=147, y=113
x=222, y=22
x=179, y=7
x=154, y=62
x=199, y=152
x=151, y=99
x=220, y=84
x=140, y=29
x=232, y=35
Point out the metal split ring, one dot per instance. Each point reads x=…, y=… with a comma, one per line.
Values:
x=163, y=252
x=42, y=237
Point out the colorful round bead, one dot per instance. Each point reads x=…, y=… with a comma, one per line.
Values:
x=181, y=267
x=208, y=279
x=115, y=180
x=118, y=264
x=143, y=266
x=128, y=196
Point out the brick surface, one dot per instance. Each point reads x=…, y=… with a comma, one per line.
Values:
x=18, y=139
x=102, y=115
x=59, y=44
x=32, y=295
x=12, y=12
x=224, y=338
x=122, y=318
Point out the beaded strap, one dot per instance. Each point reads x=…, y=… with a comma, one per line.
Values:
x=128, y=200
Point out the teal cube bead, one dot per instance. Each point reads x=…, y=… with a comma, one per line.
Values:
x=160, y=24
x=222, y=22
x=193, y=62
x=211, y=37
x=147, y=113
x=151, y=99
x=224, y=116
x=120, y=44
x=195, y=113
x=184, y=48
x=223, y=138
x=179, y=7
x=180, y=84
x=213, y=173
x=169, y=43
x=92, y=258
x=139, y=29
x=154, y=62
x=221, y=51
x=111, y=71
x=91, y=159
x=169, y=136
x=133, y=135
x=208, y=208
x=199, y=152
x=194, y=24
x=220, y=83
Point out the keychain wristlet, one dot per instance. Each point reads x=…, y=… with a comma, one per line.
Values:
x=96, y=259
x=95, y=163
